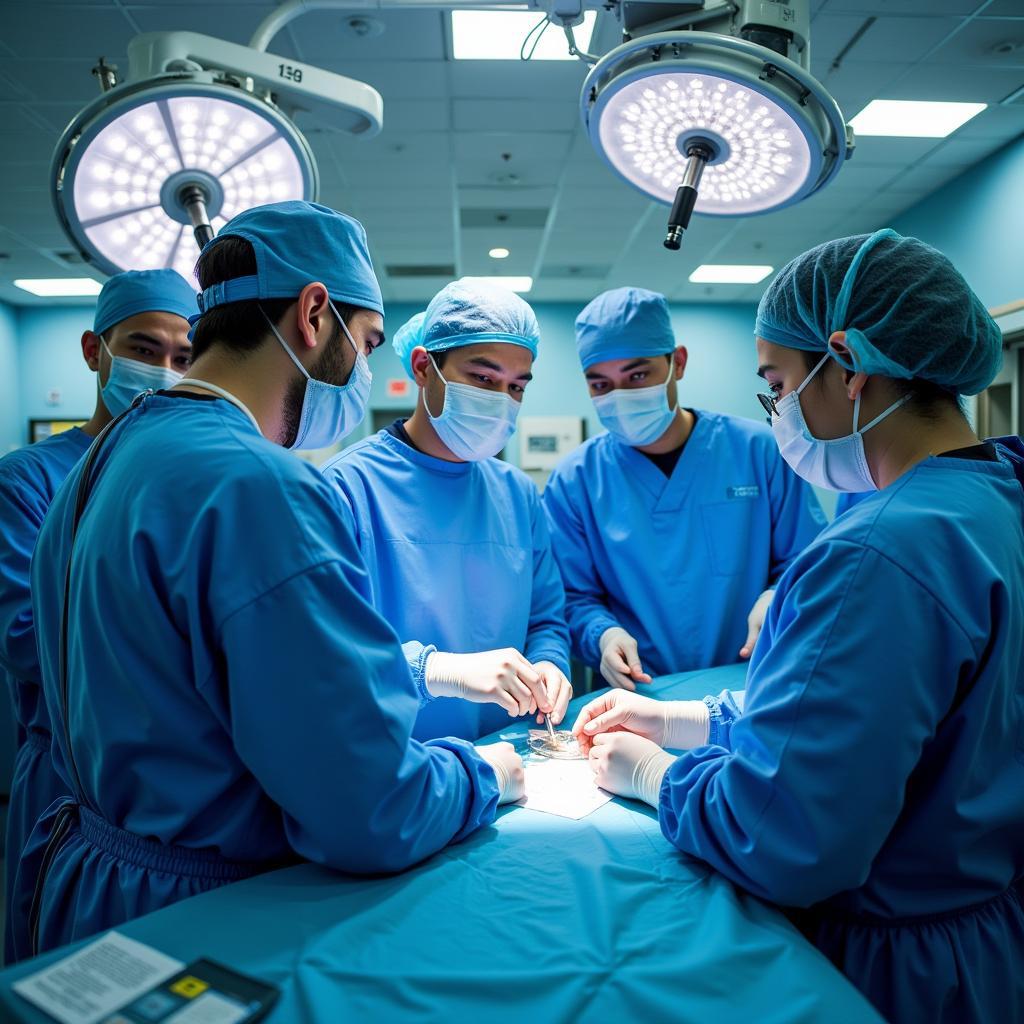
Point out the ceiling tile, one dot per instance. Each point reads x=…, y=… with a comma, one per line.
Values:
x=230, y=21
x=513, y=115
x=92, y=30
x=977, y=43
x=885, y=8
x=324, y=38
x=976, y=84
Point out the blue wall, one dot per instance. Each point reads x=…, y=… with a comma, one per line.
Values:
x=720, y=375
x=977, y=220
x=10, y=404
x=50, y=359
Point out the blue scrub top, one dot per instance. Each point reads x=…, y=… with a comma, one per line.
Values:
x=877, y=772
x=459, y=558
x=232, y=688
x=677, y=561
x=29, y=478
x=847, y=499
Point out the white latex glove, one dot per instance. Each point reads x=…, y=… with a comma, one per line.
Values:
x=558, y=689
x=502, y=677
x=620, y=659
x=679, y=724
x=755, y=620
x=508, y=770
x=629, y=766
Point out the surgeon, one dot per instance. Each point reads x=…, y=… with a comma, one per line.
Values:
x=455, y=540
x=672, y=528
x=231, y=701
x=874, y=782
x=139, y=340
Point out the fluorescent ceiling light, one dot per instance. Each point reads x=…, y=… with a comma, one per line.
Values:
x=513, y=284
x=55, y=287
x=498, y=254
x=729, y=273
x=917, y=119
x=499, y=35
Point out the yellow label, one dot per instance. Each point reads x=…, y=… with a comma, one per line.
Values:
x=189, y=987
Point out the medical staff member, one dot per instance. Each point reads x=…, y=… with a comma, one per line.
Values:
x=139, y=340
x=232, y=699
x=875, y=779
x=672, y=529
x=455, y=540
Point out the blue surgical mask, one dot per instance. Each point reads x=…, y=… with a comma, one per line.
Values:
x=638, y=416
x=330, y=411
x=474, y=423
x=129, y=377
x=839, y=464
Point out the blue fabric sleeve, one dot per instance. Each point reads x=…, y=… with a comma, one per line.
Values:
x=797, y=517
x=356, y=792
x=586, y=612
x=21, y=513
x=723, y=711
x=416, y=655
x=816, y=772
x=547, y=638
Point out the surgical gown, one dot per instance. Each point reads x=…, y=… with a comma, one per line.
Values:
x=678, y=561
x=29, y=478
x=234, y=701
x=876, y=776
x=847, y=499
x=459, y=559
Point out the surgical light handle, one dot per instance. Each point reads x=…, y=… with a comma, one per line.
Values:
x=698, y=156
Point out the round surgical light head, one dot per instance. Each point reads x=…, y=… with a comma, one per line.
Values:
x=766, y=133
x=128, y=167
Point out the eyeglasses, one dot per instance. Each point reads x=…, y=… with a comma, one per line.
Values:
x=768, y=403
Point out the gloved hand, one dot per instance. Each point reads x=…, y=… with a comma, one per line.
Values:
x=679, y=724
x=629, y=766
x=558, y=689
x=620, y=659
x=755, y=620
x=508, y=770
x=502, y=677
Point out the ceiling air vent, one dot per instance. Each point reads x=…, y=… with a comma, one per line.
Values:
x=576, y=271
x=420, y=270
x=473, y=217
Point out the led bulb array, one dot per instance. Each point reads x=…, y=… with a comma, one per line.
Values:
x=764, y=155
x=117, y=187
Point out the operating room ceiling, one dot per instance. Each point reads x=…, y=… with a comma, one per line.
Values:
x=479, y=154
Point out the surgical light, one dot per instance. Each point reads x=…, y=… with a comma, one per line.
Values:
x=724, y=125
x=150, y=170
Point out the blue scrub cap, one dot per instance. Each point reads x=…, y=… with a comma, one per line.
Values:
x=906, y=310
x=143, y=291
x=296, y=243
x=467, y=312
x=625, y=323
